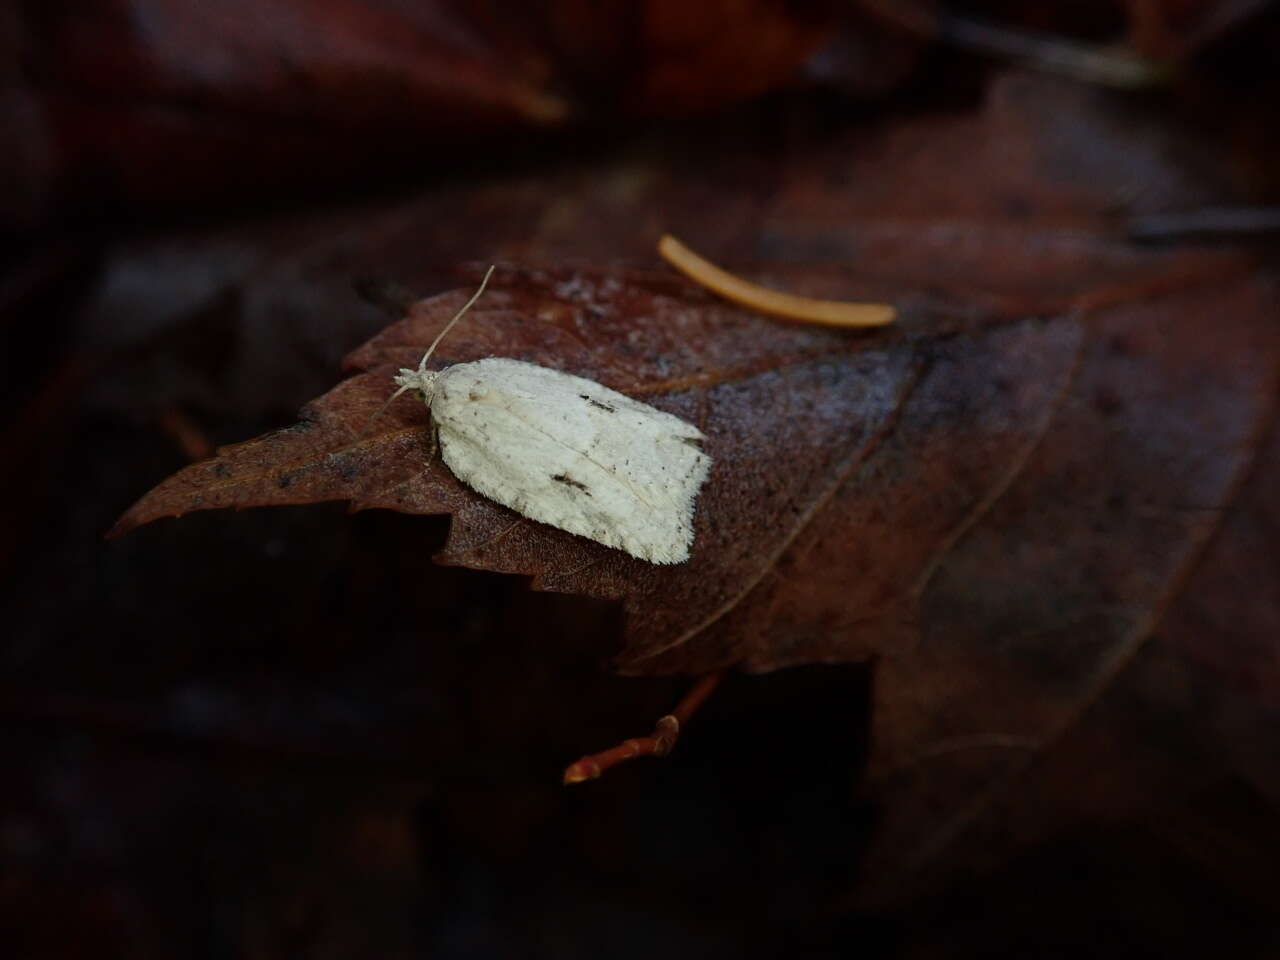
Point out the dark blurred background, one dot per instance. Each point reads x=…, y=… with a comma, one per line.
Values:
x=285, y=732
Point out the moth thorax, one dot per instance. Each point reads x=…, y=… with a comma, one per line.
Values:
x=423, y=380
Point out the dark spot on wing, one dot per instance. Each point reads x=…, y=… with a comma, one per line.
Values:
x=694, y=442
x=568, y=481
x=597, y=404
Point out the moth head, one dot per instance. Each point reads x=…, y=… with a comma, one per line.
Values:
x=423, y=381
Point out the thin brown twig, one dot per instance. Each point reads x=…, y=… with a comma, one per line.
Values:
x=665, y=734
x=1108, y=66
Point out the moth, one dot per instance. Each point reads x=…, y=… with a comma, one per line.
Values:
x=565, y=450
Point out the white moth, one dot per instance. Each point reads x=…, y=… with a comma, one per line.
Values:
x=565, y=450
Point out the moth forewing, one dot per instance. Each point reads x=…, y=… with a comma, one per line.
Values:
x=572, y=453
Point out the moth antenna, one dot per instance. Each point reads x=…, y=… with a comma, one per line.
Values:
x=422, y=364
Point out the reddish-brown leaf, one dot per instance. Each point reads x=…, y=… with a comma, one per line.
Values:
x=847, y=468
x=176, y=105
x=789, y=411
x=173, y=104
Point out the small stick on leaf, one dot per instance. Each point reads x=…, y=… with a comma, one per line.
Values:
x=833, y=313
x=665, y=734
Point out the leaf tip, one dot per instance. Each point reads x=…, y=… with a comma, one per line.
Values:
x=130, y=520
x=119, y=528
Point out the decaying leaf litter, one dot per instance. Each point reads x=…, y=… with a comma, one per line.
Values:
x=1065, y=407
x=907, y=464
